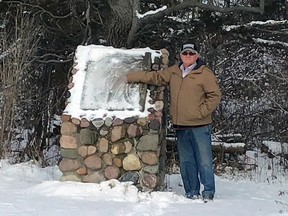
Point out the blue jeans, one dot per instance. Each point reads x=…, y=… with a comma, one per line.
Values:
x=196, y=165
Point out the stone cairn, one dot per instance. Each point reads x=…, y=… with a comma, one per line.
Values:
x=131, y=149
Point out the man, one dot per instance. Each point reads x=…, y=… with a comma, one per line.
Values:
x=194, y=94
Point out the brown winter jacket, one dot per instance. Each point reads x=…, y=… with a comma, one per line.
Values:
x=193, y=98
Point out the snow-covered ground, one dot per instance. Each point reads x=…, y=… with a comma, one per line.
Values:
x=26, y=189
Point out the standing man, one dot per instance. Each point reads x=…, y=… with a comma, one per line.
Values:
x=194, y=94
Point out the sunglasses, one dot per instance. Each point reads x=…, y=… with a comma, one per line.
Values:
x=188, y=53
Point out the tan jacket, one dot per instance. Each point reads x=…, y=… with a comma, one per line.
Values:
x=193, y=98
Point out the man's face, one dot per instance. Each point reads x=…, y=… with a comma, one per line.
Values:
x=188, y=58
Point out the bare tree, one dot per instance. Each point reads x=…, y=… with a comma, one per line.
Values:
x=19, y=38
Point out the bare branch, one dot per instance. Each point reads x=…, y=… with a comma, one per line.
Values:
x=50, y=54
x=278, y=77
x=271, y=98
x=55, y=61
x=195, y=3
x=10, y=50
x=41, y=9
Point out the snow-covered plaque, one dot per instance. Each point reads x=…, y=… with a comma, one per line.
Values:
x=100, y=87
x=105, y=83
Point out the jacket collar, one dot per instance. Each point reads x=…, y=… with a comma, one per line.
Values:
x=196, y=70
x=199, y=63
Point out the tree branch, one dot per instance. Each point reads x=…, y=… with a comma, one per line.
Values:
x=55, y=61
x=41, y=9
x=11, y=49
x=50, y=54
x=271, y=98
x=195, y=3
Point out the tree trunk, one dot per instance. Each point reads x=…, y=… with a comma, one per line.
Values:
x=120, y=30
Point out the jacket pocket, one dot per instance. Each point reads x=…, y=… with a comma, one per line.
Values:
x=192, y=113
